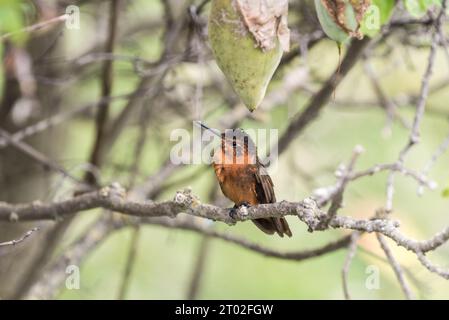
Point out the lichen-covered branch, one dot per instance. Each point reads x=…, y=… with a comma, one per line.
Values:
x=114, y=198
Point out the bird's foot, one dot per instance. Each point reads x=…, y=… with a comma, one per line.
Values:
x=234, y=212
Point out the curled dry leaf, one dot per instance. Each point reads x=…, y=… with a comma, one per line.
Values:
x=340, y=11
x=266, y=20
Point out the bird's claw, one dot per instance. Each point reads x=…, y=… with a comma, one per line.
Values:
x=245, y=204
x=234, y=212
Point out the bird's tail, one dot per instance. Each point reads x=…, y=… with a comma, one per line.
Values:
x=272, y=225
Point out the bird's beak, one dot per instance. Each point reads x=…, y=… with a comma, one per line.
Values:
x=215, y=132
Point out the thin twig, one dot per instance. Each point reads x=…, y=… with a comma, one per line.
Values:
x=38, y=156
x=345, y=174
x=442, y=148
x=431, y=267
x=396, y=267
x=320, y=99
x=49, y=284
x=106, y=89
x=420, y=109
x=113, y=198
x=20, y=240
x=352, y=248
x=36, y=27
x=57, y=119
x=198, y=268
x=130, y=260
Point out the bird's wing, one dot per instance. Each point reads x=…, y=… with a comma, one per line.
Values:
x=264, y=186
x=265, y=194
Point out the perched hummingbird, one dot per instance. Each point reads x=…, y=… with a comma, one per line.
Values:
x=243, y=178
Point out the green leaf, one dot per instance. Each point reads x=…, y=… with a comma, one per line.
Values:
x=12, y=20
x=377, y=14
x=418, y=8
x=428, y=3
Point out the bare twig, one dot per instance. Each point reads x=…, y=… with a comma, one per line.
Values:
x=384, y=101
x=38, y=156
x=191, y=225
x=36, y=27
x=102, y=228
x=337, y=194
x=106, y=89
x=20, y=240
x=112, y=198
x=198, y=268
x=442, y=148
x=320, y=99
x=352, y=248
x=420, y=108
x=130, y=260
x=396, y=266
x=431, y=267
x=57, y=119
x=54, y=275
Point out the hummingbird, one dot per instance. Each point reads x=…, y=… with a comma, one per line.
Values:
x=243, y=178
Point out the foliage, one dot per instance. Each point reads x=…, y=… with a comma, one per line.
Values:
x=418, y=8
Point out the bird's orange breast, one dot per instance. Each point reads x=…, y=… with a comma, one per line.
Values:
x=237, y=183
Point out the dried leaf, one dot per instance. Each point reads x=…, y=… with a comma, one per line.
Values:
x=266, y=20
x=337, y=10
x=360, y=7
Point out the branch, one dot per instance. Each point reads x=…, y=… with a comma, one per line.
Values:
x=106, y=89
x=274, y=253
x=442, y=148
x=396, y=267
x=57, y=119
x=320, y=99
x=431, y=267
x=48, y=286
x=420, y=108
x=130, y=261
x=37, y=156
x=21, y=239
x=113, y=198
x=54, y=275
x=337, y=194
x=201, y=257
x=352, y=249
x=36, y=27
